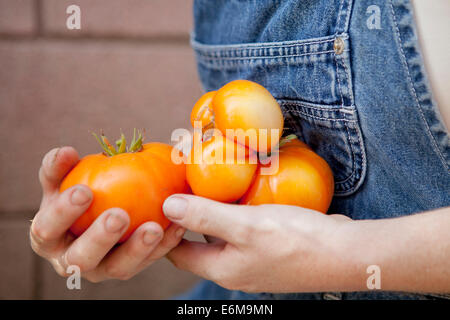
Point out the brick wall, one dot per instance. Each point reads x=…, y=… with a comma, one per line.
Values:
x=129, y=66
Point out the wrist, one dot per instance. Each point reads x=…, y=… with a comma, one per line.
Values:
x=357, y=250
x=378, y=248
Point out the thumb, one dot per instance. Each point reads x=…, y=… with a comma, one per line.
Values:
x=225, y=221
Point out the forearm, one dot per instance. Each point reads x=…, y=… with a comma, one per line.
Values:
x=279, y=248
x=413, y=252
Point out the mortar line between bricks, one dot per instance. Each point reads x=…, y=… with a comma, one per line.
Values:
x=17, y=214
x=168, y=39
x=38, y=16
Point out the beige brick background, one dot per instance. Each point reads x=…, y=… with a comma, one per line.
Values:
x=129, y=66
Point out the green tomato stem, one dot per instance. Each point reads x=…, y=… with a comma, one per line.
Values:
x=121, y=144
x=286, y=139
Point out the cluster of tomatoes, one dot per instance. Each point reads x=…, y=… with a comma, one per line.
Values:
x=261, y=168
x=264, y=167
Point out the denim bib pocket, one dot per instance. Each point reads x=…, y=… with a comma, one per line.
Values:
x=333, y=132
x=311, y=79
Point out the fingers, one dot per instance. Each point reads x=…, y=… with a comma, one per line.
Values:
x=225, y=221
x=203, y=259
x=147, y=244
x=172, y=237
x=340, y=217
x=55, y=165
x=211, y=239
x=92, y=246
x=52, y=222
x=57, y=211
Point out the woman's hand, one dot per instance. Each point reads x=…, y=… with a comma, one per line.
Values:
x=276, y=248
x=270, y=248
x=93, y=252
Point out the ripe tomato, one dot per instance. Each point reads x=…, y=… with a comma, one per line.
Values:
x=209, y=175
x=203, y=111
x=303, y=179
x=137, y=182
x=242, y=105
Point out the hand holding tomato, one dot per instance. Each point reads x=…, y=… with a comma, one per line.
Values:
x=137, y=179
x=266, y=248
x=263, y=244
x=94, y=250
x=108, y=198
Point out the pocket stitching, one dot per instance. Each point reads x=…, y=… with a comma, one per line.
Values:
x=435, y=144
x=359, y=181
x=244, y=46
x=339, y=80
x=353, y=157
x=253, y=58
x=321, y=118
x=230, y=56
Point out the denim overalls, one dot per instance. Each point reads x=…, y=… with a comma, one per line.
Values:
x=351, y=83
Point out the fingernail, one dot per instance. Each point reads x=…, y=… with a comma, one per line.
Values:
x=150, y=236
x=51, y=157
x=114, y=223
x=180, y=232
x=80, y=196
x=175, y=208
x=55, y=154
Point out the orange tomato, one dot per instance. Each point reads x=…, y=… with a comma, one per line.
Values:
x=203, y=111
x=303, y=179
x=242, y=105
x=210, y=175
x=138, y=182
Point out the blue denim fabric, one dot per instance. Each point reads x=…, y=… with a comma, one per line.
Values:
x=353, y=89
